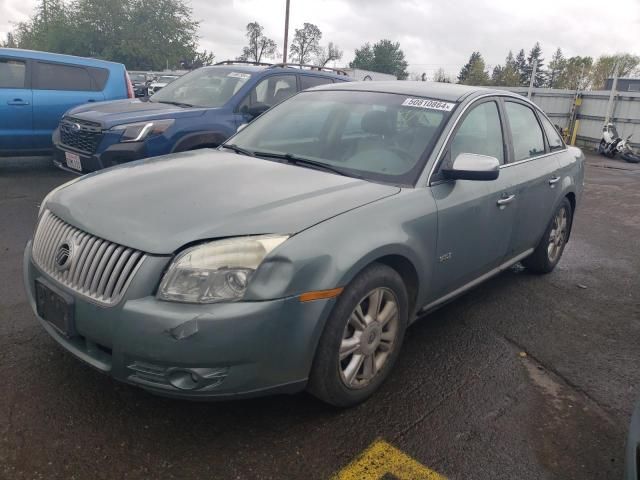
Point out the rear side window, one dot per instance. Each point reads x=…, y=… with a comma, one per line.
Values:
x=525, y=130
x=553, y=137
x=57, y=76
x=307, y=81
x=13, y=73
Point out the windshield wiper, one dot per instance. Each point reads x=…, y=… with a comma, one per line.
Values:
x=306, y=162
x=178, y=104
x=238, y=149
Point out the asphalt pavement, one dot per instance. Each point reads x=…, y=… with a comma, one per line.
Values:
x=525, y=377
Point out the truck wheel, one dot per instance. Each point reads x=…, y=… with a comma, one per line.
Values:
x=548, y=252
x=362, y=338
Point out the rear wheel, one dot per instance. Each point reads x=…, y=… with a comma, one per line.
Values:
x=362, y=338
x=549, y=251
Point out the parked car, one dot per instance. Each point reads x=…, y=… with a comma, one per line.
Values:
x=140, y=82
x=632, y=461
x=297, y=254
x=201, y=109
x=36, y=88
x=159, y=83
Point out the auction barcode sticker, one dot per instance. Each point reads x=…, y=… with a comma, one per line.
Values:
x=431, y=104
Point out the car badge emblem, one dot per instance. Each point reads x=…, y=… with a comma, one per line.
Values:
x=64, y=255
x=76, y=127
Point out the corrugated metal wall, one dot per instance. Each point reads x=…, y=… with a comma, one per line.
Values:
x=557, y=104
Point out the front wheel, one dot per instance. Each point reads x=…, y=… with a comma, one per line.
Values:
x=548, y=252
x=362, y=338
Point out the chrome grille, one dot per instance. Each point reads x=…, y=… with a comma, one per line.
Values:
x=80, y=135
x=93, y=267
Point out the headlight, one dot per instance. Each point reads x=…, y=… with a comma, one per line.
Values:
x=136, y=132
x=52, y=192
x=216, y=271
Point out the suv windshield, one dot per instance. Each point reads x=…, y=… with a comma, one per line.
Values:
x=138, y=77
x=378, y=136
x=205, y=87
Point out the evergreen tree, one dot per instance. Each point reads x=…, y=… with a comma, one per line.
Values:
x=535, y=56
x=474, y=72
x=556, y=67
x=521, y=67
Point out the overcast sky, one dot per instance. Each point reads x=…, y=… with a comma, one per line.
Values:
x=432, y=33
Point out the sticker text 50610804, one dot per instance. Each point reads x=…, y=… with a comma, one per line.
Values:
x=430, y=104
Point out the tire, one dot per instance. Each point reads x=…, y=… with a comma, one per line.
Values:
x=631, y=157
x=354, y=327
x=545, y=257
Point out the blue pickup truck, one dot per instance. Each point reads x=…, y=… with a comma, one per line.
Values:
x=36, y=88
x=200, y=109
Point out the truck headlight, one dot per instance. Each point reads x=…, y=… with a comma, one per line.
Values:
x=216, y=271
x=137, y=132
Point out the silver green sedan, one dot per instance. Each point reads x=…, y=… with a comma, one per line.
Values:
x=297, y=254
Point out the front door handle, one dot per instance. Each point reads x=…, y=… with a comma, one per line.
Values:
x=504, y=201
x=553, y=181
x=17, y=101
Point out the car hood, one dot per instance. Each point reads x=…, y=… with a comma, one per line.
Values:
x=159, y=205
x=118, y=112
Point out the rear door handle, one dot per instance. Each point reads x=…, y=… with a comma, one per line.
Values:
x=553, y=181
x=17, y=101
x=504, y=201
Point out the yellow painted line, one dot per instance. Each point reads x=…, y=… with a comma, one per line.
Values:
x=381, y=459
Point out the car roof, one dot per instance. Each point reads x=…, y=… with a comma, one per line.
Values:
x=36, y=55
x=451, y=92
x=268, y=69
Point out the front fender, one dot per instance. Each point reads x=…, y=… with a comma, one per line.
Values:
x=199, y=139
x=332, y=253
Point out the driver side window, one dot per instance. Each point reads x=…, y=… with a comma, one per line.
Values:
x=480, y=133
x=270, y=91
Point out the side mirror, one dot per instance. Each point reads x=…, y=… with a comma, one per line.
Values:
x=255, y=110
x=469, y=166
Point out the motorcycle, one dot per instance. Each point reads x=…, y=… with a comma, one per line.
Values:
x=612, y=144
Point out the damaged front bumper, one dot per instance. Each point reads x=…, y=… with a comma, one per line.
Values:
x=223, y=350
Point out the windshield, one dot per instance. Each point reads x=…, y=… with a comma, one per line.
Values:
x=205, y=87
x=378, y=136
x=138, y=77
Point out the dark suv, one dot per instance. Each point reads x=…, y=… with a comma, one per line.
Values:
x=199, y=110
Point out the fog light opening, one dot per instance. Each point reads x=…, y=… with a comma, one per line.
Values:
x=184, y=379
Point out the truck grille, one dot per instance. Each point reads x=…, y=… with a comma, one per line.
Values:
x=80, y=135
x=95, y=268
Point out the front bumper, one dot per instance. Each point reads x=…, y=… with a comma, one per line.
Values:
x=113, y=154
x=235, y=349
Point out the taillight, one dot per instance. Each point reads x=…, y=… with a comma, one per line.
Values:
x=127, y=81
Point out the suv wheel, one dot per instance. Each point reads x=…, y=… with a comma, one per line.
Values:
x=362, y=338
x=548, y=252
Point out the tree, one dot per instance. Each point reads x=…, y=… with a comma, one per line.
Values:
x=441, y=76
x=306, y=43
x=605, y=67
x=521, y=67
x=10, y=42
x=259, y=45
x=556, y=67
x=474, y=72
x=576, y=73
x=535, y=56
x=330, y=53
x=117, y=30
x=384, y=56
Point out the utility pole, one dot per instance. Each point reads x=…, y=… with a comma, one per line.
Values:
x=533, y=77
x=614, y=87
x=286, y=34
